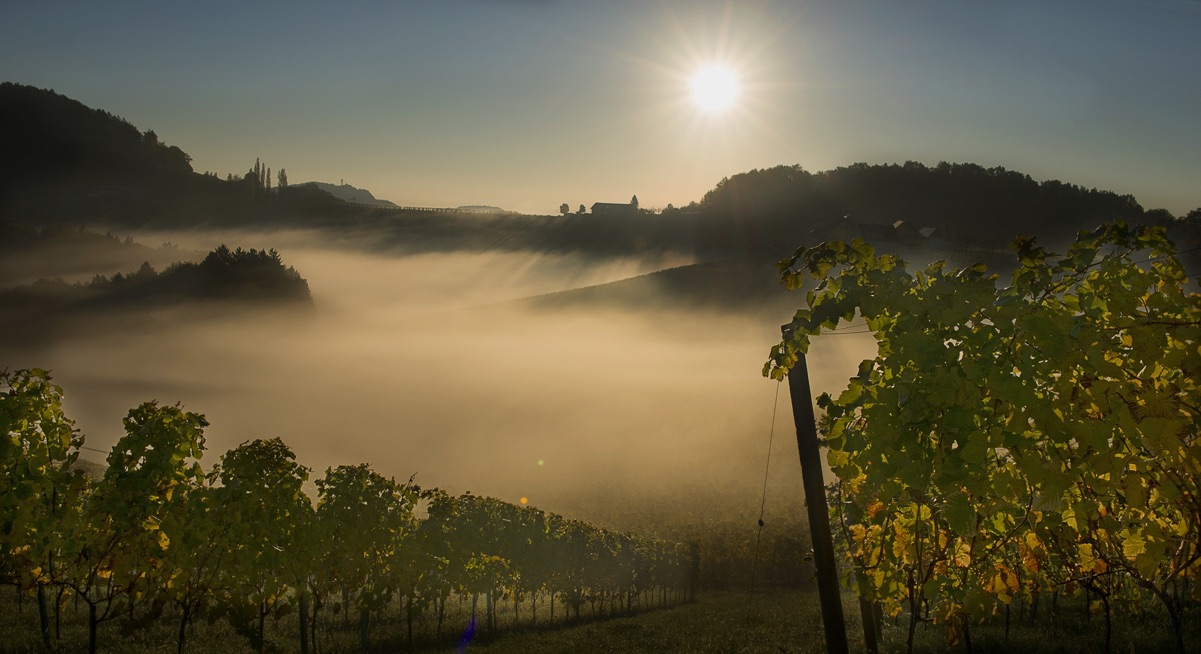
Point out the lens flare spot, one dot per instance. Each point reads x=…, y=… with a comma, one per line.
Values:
x=541, y=462
x=525, y=500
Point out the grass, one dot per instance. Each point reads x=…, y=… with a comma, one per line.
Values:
x=789, y=622
x=779, y=622
x=716, y=622
x=1070, y=629
x=785, y=622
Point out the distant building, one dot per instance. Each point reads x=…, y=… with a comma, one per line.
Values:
x=904, y=231
x=911, y=233
x=614, y=209
x=876, y=232
x=933, y=236
x=847, y=229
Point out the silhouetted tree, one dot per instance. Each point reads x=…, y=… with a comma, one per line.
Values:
x=634, y=202
x=564, y=209
x=1186, y=232
x=582, y=210
x=248, y=274
x=283, y=179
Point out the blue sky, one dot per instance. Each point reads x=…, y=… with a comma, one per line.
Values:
x=526, y=104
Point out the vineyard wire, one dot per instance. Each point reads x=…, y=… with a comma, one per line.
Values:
x=771, y=434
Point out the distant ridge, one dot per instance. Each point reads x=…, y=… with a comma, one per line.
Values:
x=63, y=163
x=348, y=193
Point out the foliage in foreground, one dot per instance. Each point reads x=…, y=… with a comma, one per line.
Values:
x=1019, y=441
x=159, y=538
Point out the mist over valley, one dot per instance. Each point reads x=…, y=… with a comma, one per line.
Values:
x=468, y=370
x=622, y=349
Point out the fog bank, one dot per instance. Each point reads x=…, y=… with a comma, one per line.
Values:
x=421, y=365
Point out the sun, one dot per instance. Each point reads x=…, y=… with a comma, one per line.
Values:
x=714, y=88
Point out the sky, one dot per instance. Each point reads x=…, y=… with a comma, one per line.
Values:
x=527, y=104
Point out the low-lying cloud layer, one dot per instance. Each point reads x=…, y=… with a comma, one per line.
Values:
x=422, y=365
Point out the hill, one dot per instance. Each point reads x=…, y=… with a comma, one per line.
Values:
x=65, y=163
x=48, y=136
x=968, y=203
x=226, y=280
x=735, y=284
x=348, y=193
x=60, y=156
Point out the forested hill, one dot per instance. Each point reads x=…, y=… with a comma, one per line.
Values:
x=967, y=203
x=49, y=136
x=65, y=163
x=225, y=281
x=62, y=162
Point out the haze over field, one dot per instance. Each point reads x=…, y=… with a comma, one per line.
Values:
x=426, y=365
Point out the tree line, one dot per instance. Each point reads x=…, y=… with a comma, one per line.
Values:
x=975, y=205
x=52, y=308
x=159, y=537
x=224, y=273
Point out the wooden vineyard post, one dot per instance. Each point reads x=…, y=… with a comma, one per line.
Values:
x=815, y=501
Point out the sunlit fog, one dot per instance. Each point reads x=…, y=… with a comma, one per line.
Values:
x=442, y=367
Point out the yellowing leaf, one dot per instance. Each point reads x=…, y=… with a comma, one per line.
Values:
x=1029, y=551
x=901, y=544
x=961, y=555
x=999, y=587
x=1133, y=546
x=875, y=507
x=1089, y=562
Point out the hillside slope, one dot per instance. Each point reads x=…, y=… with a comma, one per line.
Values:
x=63, y=162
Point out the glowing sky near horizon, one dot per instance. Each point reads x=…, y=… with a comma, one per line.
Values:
x=526, y=104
